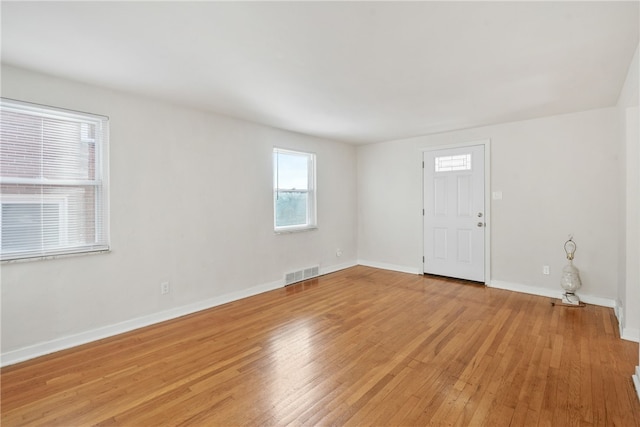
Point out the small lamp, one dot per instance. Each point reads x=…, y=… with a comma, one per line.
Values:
x=570, y=280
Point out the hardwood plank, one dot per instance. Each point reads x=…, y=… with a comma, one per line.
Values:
x=358, y=347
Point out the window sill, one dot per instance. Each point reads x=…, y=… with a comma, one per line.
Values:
x=46, y=257
x=295, y=230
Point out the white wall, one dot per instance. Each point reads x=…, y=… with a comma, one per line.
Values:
x=191, y=203
x=629, y=187
x=631, y=301
x=628, y=190
x=558, y=176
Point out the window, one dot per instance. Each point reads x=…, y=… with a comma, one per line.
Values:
x=294, y=196
x=461, y=162
x=53, y=181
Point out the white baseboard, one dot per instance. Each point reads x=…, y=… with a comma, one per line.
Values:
x=338, y=267
x=47, y=347
x=636, y=381
x=63, y=343
x=630, y=334
x=393, y=267
x=551, y=293
x=526, y=289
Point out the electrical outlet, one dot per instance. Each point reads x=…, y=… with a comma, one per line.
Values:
x=338, y=252
x=164, y=288
x=545, y=270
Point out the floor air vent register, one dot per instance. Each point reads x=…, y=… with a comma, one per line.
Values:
x=300, y=275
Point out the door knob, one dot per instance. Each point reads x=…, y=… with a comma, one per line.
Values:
x=481, y=224
x=479, y=214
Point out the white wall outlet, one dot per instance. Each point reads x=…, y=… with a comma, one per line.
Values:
x=338, y=252
x=496, y=195
x=545, y=270
x=164, y=288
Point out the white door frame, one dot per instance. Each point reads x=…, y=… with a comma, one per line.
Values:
x=487, y=199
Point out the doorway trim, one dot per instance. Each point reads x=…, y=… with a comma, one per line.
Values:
x=487, y=198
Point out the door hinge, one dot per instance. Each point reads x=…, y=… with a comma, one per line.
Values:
x=422, y=212
x=423, y=259
x=423, y=164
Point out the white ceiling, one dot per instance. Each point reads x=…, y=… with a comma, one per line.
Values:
x=352, y=71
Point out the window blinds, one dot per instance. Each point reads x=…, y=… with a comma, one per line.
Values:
x=53, y=181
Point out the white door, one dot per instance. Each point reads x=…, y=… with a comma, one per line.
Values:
x=454, y=214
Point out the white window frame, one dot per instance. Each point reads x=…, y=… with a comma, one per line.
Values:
x=311, y=220
x=100, y=182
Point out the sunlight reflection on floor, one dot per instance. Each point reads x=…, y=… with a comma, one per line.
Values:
x=292, y=367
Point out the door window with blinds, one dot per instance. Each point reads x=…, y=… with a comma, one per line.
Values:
x=53, y=181
x=294, y=196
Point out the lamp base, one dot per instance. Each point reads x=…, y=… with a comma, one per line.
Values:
x=570, y=298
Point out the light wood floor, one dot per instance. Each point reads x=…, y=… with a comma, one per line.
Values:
x=357, y=347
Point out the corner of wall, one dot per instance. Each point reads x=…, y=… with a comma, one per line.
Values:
x=619, y=312
x=636, y=381
x=630, y=334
